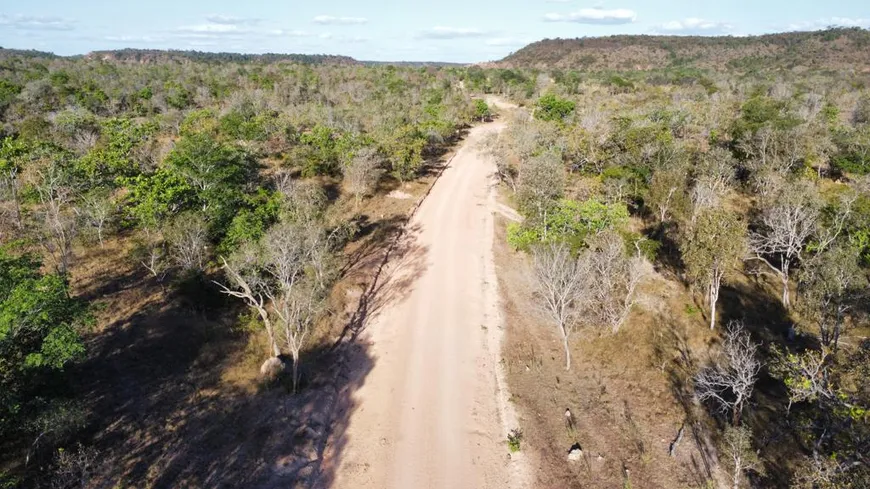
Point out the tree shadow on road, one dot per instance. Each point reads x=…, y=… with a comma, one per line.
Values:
x=165, y=410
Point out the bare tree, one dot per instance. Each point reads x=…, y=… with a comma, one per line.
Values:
x=282, y=278
x=75, y=468
x=150, y=252
x=362, y=173
x=98, y=209
x=304, y=201
x=729, y=384
x=559, y=284
x=714, y=177
x=772, y=154
x=739, y=454
x=830, y=288
x=611, y=278
x=787, y=222
x=57, y=195
x=715, y=246
x=188, y=240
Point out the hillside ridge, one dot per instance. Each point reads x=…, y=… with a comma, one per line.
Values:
x=833, y=48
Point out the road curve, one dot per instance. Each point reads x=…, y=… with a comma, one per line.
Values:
x=433, y=412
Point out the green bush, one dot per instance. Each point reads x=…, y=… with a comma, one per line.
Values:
x=40, y=329
x=552, y=108
x=481, y=110
x=852, y=163
x=569, y=221
x=515, y=439
x=522, y=237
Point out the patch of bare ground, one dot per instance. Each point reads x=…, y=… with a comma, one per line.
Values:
x=625, y=392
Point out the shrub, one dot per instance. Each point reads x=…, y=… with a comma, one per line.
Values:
x=522, y=237
x=552, y=108
x=515, y=438
x=481, y=110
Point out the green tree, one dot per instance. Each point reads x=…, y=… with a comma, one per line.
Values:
x=12, y=153
x=552, y=108
x=218, y=173
x=481, y=110
x=40, y=329
x=153, y=197
x=714, y=248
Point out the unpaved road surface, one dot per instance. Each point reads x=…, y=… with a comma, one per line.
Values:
x=433, y=412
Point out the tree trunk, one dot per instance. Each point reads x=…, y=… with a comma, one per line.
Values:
x=567, y=352
x=713, y=301
x=736, y=476
x=295, y=370
x=786, y=301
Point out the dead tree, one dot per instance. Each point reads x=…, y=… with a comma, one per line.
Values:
x=283, y=278
x=188, y=240
x=98, y=210
x=558, y=280
x=729, y=384
x=611, y=279
x=61, y=225
x=362, y=173
x=787, y=223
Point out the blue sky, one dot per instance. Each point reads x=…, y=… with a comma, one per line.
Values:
x=437, y=30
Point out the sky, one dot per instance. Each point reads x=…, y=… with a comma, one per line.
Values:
x=392, y=30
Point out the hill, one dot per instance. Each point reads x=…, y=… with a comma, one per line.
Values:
x=835, y=48
x=155, y=55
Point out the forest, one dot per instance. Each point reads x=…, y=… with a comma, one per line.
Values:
x=215, y=186
x=656, y=202
x=182, y=234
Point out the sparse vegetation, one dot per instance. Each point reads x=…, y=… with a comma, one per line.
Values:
x=150, y=197
x=170, y=220
x=736, y=168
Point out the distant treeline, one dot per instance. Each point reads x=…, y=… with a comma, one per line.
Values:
x=833, y=48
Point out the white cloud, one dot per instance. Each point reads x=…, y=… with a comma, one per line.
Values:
x=331, y=20
x=36, y=23
x=441, y=32
x=595, y=16
x=135, y=39
x=831, y=21
x=506, y=41
x=693, y=25
x=212, y=29
x=202, y=44
x=230, y=20
x=293, y=33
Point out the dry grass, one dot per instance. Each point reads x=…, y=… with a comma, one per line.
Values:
x=172, y=390
x=626, y=392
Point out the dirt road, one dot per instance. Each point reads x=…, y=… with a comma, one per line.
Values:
x=433, y=411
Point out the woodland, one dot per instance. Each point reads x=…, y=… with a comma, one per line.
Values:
x=229, y=196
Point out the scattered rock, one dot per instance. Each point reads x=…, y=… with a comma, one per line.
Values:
x=398, y=194
x=271, y=369
x=575, y=454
